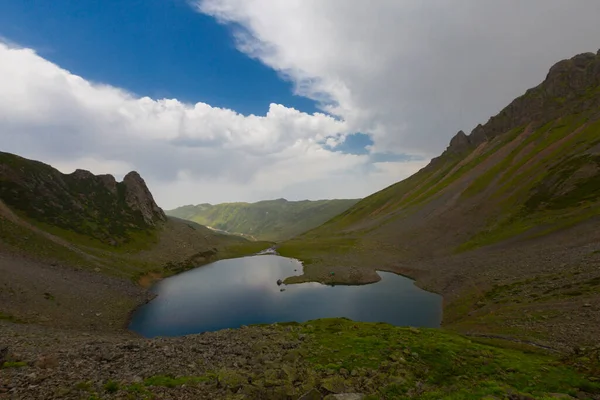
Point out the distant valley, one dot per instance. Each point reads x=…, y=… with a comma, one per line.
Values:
x=272, y=220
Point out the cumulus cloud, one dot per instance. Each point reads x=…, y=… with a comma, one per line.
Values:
x=409, y=72
x=188, y=153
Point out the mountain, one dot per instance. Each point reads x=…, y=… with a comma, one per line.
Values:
x=265, y=220
x=516, y=201
x=95, y=206
x=89, y=240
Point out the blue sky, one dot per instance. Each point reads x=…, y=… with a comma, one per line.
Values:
x=156, y=48
x=190, y=92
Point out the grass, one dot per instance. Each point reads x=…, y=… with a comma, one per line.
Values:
x=242, y=249
x=310, y=250
x=271, y=220
x=10, y=318
x=539, y=203
x=442, y=364
x=171, y=382
x=111, y=386
x=385, y=362
x=14, y=364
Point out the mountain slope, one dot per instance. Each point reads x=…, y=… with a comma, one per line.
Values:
x=267, y=220
x=84, y=239
x=516, y=199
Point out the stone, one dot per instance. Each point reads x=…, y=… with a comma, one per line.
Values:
x=559, y=396
x=334, y=384
x=47, y=362
x=345, y=396
x=3, y=354
x=459, y=143
x=312, y=394
x=279, y=282
x=139, y=198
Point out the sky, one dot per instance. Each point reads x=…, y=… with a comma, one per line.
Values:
x=244, y=100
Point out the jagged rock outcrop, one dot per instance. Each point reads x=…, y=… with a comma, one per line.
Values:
x=568, y=87
x=88, y=204
x=138, y=197
x=459, y=142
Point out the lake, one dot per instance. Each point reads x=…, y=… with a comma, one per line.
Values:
x=244, y=291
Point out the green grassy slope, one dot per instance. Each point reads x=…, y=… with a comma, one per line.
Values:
x=532, y=169
x=510, y=209
x=266, y=220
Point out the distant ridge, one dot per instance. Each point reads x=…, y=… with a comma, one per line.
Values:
x=264, y=220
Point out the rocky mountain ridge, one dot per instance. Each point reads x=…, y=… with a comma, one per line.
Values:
x=92, y=205
x=566, y=88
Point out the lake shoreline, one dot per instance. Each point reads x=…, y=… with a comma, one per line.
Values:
x=201, y=299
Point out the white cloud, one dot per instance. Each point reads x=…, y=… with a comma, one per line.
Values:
x=188, y=153
x=407, y=72
x=411, y=72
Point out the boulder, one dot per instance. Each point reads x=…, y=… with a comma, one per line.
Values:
x=3, y=354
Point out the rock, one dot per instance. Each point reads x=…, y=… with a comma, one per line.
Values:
x=335, y=384
x=139, y=198
x=459, y=143
x=3, y=354
x=47, y=362
x=313, y=394
x=345, y=396
x=279, y=282
x=559, y=396
x=587, y=305
x=282, y=290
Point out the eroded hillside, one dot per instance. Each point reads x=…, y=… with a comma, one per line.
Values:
x=516, y=200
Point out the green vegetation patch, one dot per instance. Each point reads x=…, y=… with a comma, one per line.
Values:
x=171, y=382
x=10, y=318
x=271, y=220
x=433, y=364
x=310, y=250
x=14, y=364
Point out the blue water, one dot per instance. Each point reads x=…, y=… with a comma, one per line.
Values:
x=244, y=291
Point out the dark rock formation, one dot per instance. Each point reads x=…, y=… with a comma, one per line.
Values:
x=138, y=197
x=459, y=142
x=96, y=206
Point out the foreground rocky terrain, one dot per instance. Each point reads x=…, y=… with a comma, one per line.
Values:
x=321, y=358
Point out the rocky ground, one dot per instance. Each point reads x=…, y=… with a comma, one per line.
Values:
x=59, y=296
x=337, y=358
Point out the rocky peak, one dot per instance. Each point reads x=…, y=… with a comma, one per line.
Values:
x=459, y=142
x=82, y=174
x=563, y=90
x=109, y=182
x=139, y=198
